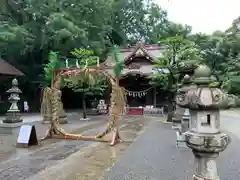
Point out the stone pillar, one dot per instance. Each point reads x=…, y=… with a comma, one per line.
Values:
x=177, y=117
x=176, y=125
x=204, y=136
x=186, y=86
x=13, y=114
x=176, y=120
x=184, y=126
x=185, y=123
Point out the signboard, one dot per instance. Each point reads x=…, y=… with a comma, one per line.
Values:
x=27, y=136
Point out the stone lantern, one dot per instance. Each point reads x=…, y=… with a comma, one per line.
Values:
x=186, y=86
x=13, y=114
x=185, y=116
x=204, y=136
x=177, y=116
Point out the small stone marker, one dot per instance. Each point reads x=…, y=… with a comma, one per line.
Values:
x=181, y=142
x=27, y=136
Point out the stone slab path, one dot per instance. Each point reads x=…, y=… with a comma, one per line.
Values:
x=90, y=162
x=66, y=159
x=8, y=140
x=154, y=157
x=28, y=165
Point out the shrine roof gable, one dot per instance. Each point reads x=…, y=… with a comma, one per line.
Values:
x=150, y=52
x=7, y=69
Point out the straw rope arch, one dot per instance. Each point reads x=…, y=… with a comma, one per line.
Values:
x=52, y=100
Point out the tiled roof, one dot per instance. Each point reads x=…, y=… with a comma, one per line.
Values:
x=8, y=69
x=153, y=51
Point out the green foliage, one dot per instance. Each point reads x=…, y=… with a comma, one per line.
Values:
x=160, y=79
x=85, y=58
x=135, y=20
x=179, y=54
x=85, y=83
x=214, y=84
x=50, y=67
x=221, y=52
x=117, y=61
x=29, y=29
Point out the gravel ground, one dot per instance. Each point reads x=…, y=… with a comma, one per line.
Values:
x=154, y=157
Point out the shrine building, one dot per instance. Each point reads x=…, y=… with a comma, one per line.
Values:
x=135, y=80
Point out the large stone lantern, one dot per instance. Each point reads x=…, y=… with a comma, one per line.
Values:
x=13, y=114
x=204, y=136
x=186, y=86
x=185, y=118
x=177, y=116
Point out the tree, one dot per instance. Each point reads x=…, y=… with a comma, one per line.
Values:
x=172, y=29
x=29, y=30
x=136, y=20
x=220, y=51
x=85, y=83
x=168, y=67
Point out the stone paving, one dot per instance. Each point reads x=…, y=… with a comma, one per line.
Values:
x=230, y=121
x=27, y=165
x=154, y=156
x=28, y=162
x=91, y=161
x=8, y=141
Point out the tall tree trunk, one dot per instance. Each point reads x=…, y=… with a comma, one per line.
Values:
x=171, y=96
x=170, y=107
x=84, y=106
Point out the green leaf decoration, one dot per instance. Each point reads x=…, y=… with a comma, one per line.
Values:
x=117, y=61
x=50, y=67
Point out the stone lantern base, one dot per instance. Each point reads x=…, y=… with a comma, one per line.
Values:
x=206, y=148
x=176, y=124
x=177, y=118
x=206, y=166
x=13, y=117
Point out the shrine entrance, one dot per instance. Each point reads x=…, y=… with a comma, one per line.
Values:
x=139, y=91
x=135, y=77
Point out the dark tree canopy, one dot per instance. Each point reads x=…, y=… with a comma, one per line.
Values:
x=29, y=30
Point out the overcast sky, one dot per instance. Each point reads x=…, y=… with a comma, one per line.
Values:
x=203, y=15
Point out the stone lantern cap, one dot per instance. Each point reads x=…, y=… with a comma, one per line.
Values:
x=14, y=88
x=186, y=79
x=186, y=84
x=202, y=96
